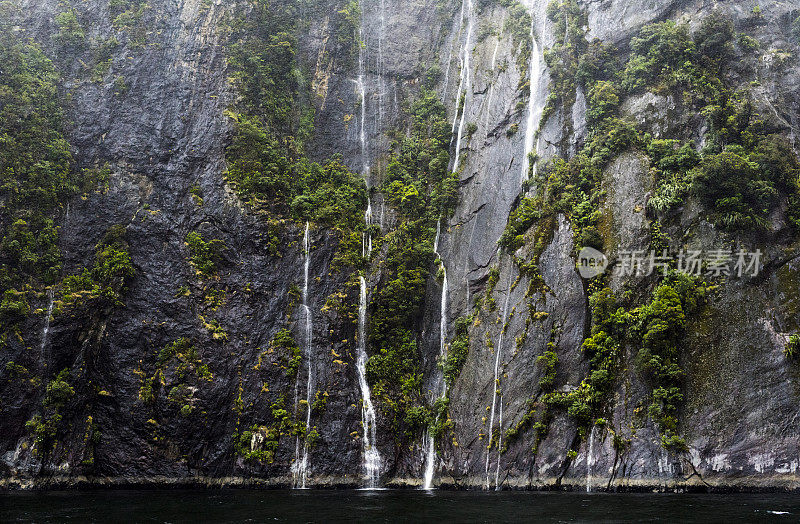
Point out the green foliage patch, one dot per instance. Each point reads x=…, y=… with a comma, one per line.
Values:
x=273, y=120
x=420, y=187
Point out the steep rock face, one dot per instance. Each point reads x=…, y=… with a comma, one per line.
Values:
x=736, y=455
x=164, y=137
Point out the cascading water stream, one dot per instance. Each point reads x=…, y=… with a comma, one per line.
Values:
x=459, y=108
x=366, y=240
x=496, y=385
x=372, y=457
x=381, y=66
x=300, y=470
x=464, y=89
x=535, y=108
x=430, y=444
x=46, y=329
x=589, y=461
x=450, y=60
x=499, y=444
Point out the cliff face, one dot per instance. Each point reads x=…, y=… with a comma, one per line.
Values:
x=216, y=413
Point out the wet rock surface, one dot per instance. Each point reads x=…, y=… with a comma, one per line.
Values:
x=166, y=133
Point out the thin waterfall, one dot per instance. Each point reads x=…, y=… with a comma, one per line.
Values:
x=450, y=58
x=362, y=132
x=381, y=65
x=499, y=443
x=589, y=461
x=372, y=457
x=465, y=83
x=496, y=384
x=535, y=107
x=430, y=444
x=461, y=73
x=46, y=329
x=300, y=469
x=458, y=100
x=362, y=90
x=366, y=237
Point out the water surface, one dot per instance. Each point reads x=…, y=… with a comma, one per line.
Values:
x=390, y=506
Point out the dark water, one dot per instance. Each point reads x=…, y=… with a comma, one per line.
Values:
x=391, y=506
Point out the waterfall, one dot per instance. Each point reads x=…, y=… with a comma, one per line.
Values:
x=499, y=444
x=362, y=132
x=366, y=238
x=450, y=58
x=372, y=457
x=381, y=66
x=496, y=384
x=46, y=329
x=589, y=461
x=366, y=168
x=458, y=100
x=300, y=466
x=535, y=107
x=465, y=82
x=430, y=444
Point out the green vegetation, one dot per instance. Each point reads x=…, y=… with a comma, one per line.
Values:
x=602, y=348
x=273, y=119
x=742, y=185
x=457, y=351
x=660, y=325
x=518, y=25
x=570, y=56
x=740, y=176
x=284, y=343
x=792, y=350
x=102, y=56
x=70, y=33
x=180, y=362
x=571, y=188
x=796, y=29
x=259, y=443
x=36, y=173
x=657, y=329
x=44, y=426
x=128, y=16
x=16, y=370
x=742, y=173
x=349, y=27
x=658, y=54
x=538, y=413
x=206, y=256
x=420, y=188
x=105, y=283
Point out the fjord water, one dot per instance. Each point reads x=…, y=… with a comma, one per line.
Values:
x=391, y=506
